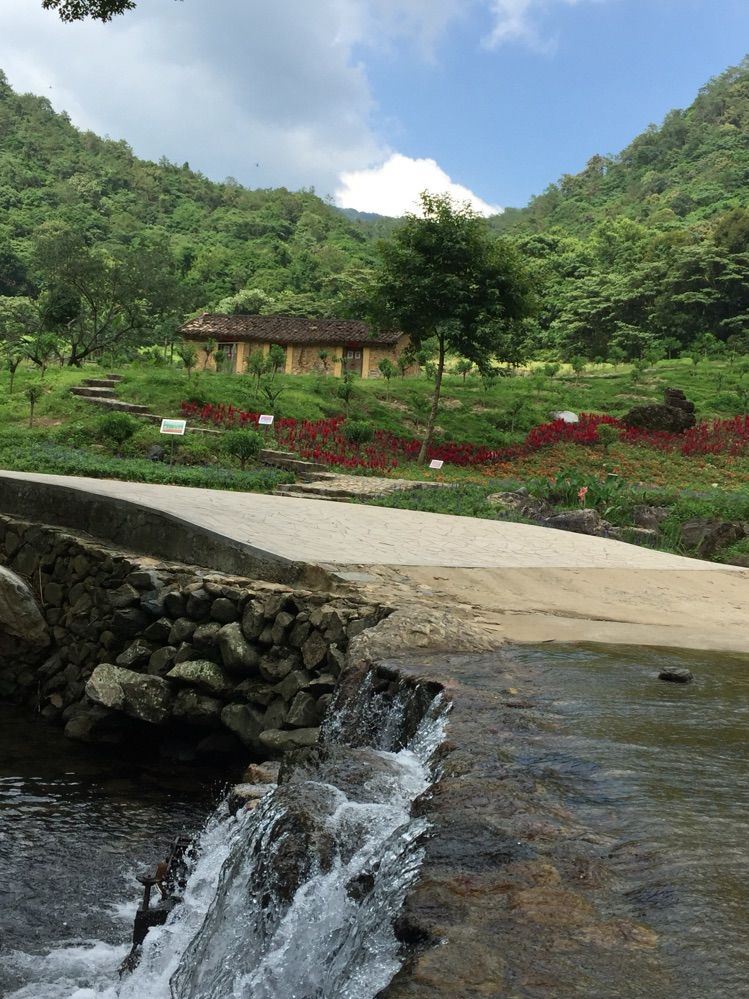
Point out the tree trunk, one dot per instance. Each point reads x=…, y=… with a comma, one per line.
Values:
x=435, y=404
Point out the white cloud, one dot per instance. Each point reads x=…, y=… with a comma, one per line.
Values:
x=273, y=94
x=393, y=187
x=518, y=21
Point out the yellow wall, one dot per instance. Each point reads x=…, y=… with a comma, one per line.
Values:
x=303, y=358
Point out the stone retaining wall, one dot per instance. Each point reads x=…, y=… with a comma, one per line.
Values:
x=202, y=662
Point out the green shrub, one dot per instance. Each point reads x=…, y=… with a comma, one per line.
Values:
x=358, y=432
x=244, y=445
x=116, y=428
x=607, y=435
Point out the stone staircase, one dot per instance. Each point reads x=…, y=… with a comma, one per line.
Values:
x=291, y=462
x=103, y=392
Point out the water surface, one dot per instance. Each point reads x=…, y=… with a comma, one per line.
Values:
x=663, y=768
x=76, y=825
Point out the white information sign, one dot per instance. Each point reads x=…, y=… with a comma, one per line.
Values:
x=266, y=420
x=436, y=463
x=175, y=427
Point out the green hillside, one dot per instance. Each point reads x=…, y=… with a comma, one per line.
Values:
x=647, y=252
x=223, y=237
x=685, y=172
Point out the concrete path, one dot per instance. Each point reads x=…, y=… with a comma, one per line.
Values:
x=316, y=531
x=517, y=582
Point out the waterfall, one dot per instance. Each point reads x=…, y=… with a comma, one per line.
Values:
x=296, y=898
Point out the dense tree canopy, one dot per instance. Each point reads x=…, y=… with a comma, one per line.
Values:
x=225, y=239
x=643, y=252
x=650, y=247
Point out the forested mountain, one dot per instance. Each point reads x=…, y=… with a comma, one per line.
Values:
x=648, y=251
x=682, y=173
x=644, y=253
x=221, y=237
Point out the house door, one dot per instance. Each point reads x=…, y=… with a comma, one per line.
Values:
x=352, y=360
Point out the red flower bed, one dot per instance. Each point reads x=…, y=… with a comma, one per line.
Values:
x=325, y=442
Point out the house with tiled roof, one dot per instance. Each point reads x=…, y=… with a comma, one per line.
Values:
x=351, y=345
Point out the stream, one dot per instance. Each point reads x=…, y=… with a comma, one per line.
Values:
x=660, y=769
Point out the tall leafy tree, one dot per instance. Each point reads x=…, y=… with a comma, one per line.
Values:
x=111, y=297
x=443, y=276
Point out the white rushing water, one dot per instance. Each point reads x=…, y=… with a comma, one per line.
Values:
x=294, y=900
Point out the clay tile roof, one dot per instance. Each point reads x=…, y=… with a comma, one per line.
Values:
x=285, y=329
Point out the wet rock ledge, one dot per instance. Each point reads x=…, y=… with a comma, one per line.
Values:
x=140, y=652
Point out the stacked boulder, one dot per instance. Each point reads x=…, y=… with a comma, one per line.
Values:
x=674, y=415
x=211, y=662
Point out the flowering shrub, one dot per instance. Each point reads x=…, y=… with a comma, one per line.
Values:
x=326, y=442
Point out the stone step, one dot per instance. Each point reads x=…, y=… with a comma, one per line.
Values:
x=291, y=493
x=281, y=459
x=270, y=454
x=119, y=406
x=100, y=382
x=115, y=378
x=322, y=492
x=93, y=392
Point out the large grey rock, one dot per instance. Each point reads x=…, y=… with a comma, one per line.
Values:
x=275, y=715
x=124, y=596
x=245, y=722
x=19, y=614
x=158, y=631
x=130, y=622
x=174, y=604
x=255, y=691
x=649, y=517
x=280, y=740
x=148, y=698
x=206, y=635
x=565, y=415
x=162, y=660
x=204, y=675
x=135, y=655
x=520, y=504
x=314, y=650
x=584, y=521
x=675, y=415
x=194, y=708
x=290, y=686
x=274, y=669
x=182, y=631
x=198, y=605
x=253, y=620
x=303, y=711
x=223, y=610
x=237, y=654
x=705, y=535
x=280, y=627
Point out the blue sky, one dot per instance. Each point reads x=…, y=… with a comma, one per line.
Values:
x=507, y=121
x=371, y=101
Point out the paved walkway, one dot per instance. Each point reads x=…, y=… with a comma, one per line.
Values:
x=320, y=532
x=516, y=581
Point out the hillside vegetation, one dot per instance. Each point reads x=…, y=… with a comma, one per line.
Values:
x=646, y=252
x=222, y=237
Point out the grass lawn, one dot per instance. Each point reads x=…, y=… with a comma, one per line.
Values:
x=67, y=436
